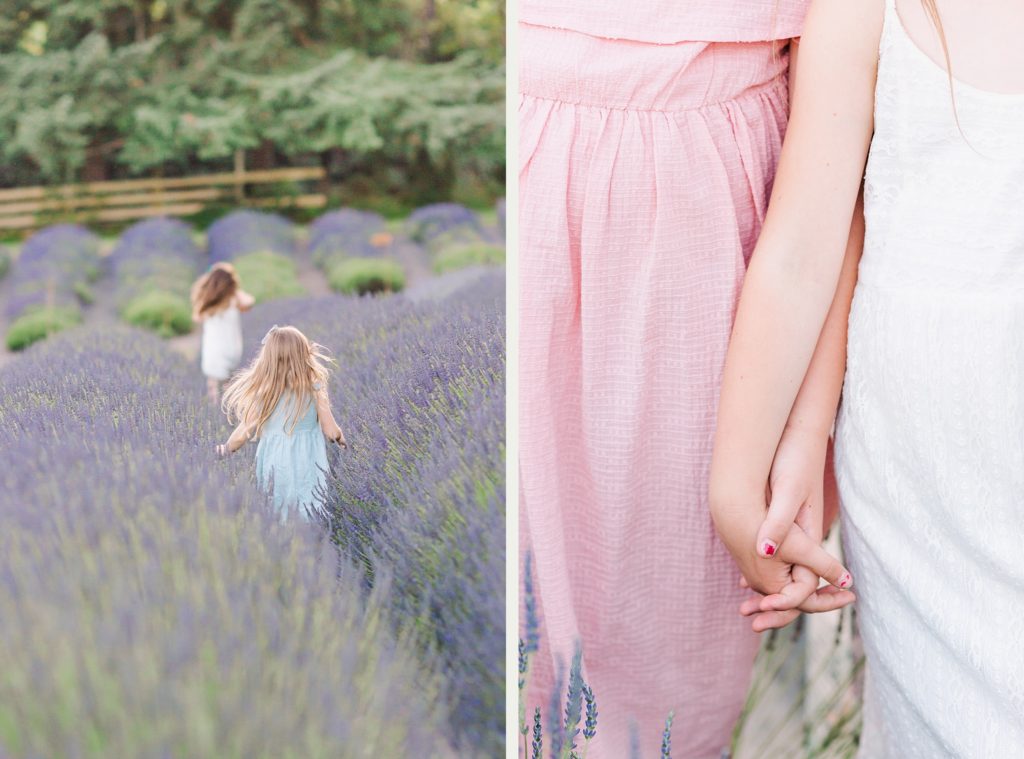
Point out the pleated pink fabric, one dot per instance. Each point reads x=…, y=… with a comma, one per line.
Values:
x=644, y=178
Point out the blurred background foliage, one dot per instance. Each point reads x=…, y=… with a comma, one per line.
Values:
x=401, y=100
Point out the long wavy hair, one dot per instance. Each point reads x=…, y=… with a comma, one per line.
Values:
x=288, y=363
x=213, y=291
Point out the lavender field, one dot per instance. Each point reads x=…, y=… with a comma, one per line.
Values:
x=151, y=607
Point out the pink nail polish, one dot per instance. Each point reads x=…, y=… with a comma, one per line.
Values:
x=845, y=580
x=769, y=548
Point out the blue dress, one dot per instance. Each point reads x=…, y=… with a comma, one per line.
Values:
x=292, y=460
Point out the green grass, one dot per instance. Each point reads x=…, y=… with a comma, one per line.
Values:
x=366, y=275
x=268, y=275
x=163, y=312
x=38, y=324
x=5, y=262
x=462, y=256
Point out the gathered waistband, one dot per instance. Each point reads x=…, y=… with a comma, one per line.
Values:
x=575, y=68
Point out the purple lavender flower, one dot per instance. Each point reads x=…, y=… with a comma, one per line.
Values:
x=419, y=390
x=574, y=699
x=666, y=738
x=155, y=254
x=428, y=222
x=242, y=232
x=145, y=586
x=590, y=728
x=55, y=267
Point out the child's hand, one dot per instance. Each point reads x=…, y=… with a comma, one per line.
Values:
x=796, y=483
x=337, y=436
x=826, y=598
x=797, y=478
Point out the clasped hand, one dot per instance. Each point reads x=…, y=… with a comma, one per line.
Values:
x=775, y=538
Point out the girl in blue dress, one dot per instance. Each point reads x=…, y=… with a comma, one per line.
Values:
x=281, y=398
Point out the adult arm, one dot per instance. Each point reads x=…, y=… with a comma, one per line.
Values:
x=793, y=276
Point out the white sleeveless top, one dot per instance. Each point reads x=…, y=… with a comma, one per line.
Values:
x=939, y=215
x=222, y=343
x=930, y=436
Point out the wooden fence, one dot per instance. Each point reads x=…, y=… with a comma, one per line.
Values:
x=124, y=200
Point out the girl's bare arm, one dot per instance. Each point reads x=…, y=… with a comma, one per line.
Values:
x=795, y=269
x=330, y=428
x=239, y=437
x=244, y=300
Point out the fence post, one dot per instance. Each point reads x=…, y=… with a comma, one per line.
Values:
x=239, y=176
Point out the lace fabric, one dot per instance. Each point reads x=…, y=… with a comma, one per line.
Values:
x=930, y=439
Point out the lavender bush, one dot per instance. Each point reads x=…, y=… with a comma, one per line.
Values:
x=155, y=262
x=419, y=495
x=55, y=268
x=356, y=252
x=426, y=223
x=243, y=232
x=150, y=606
x=345, y=232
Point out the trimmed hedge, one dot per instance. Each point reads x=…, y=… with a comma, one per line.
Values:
x=154, y=263
x=362, y=276
x=266, y=275
x=462, y=256
x=163, y=312
x=39, y=323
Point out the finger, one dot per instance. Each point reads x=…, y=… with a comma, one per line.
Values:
x=827, y=599
x=773, y=620
x=782, y=510
x=793, y=594
x=751, y=606
x=800, y=549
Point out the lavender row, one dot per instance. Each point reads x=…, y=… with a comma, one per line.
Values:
x=149, y=603
x=419, y=495
x=55, y=268
x=156, y=254
x=243, y=232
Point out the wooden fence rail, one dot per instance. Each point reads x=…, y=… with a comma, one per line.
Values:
x=31, y=207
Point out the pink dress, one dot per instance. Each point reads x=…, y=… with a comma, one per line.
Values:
x=646, y=164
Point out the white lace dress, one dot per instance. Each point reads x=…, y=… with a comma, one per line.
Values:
x=222, y=343
x=930, y=439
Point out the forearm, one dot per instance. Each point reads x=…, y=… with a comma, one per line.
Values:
x=815, y=406
x=778, y=323
x=238, y=438
x=795, y=269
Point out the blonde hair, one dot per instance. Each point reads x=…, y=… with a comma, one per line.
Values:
x=288, y=362
x=213, y=291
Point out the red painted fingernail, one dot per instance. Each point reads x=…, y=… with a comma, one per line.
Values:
x=769, y=548
x=845, y=580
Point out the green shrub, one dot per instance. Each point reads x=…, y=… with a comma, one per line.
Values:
x=268, y=275
x=456, y=237
x=38, y=323
x=163, y=312
x=5, y=262
x=84, y=293
x=366, y=275
x=469, y=255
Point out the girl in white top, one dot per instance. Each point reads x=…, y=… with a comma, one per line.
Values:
x=217, y=303
x=924, y=101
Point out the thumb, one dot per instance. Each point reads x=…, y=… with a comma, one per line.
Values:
x=782, y=511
